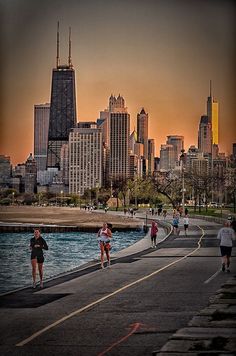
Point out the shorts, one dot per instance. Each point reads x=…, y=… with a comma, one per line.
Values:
x=40, y=258
x=225, y=251
x=176, y=226
x=185, y=226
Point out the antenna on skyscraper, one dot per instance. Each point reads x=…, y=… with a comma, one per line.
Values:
x=58, y=60
x=210, y=88
x=69, y=58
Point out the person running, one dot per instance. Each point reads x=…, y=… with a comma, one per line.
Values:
x=104, y=236
x=37, y=245
x=176, y=224
x=154, y=230
x=226, y=236
x=186, y=223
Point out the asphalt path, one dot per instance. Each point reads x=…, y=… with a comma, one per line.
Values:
x=130, y=308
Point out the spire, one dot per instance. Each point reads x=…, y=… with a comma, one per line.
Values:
x=58, y=60
x=69, y=58
x=210, y=89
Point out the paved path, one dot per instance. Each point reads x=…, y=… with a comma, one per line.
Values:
x=131, y=308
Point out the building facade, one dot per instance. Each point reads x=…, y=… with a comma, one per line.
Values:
x=85, y=159
x=205, y=135
x=119, y=145
x=41, y=124
x=177, y=142
x=167, y=157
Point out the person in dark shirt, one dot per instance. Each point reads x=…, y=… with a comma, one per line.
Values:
x=37, y=245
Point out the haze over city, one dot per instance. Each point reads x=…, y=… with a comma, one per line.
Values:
x=159, y=55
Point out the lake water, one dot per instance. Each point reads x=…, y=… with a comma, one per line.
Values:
x=66, y=252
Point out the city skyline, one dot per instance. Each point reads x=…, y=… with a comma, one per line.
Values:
x=161, y=64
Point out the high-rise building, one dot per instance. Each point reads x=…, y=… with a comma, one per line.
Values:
x=234, y=150
x=41, y=123
x=212, y=113
x=151, y=155
x=142, y=129
x=177, y=142
x=167, y=157
x=119, y=145
x=63, y=107
x=85, y=159
x=205, y=135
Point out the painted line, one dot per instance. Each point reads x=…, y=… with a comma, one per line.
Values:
x=212, y=277
x=135, y=328
x=86, y=307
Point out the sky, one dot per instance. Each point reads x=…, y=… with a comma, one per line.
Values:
x=158, y=54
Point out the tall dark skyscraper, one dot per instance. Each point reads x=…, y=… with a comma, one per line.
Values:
x=63, y=107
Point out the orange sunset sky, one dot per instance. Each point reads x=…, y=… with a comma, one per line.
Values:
x=158, y=54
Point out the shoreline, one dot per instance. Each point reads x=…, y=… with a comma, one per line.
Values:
x=15, y=219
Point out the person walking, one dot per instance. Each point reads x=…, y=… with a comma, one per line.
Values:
x=154, y=230
x=104, y=236
x=226, y=236
x=37, y=245
x=186, y=223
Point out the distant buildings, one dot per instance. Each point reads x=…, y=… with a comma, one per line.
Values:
x=30, y=175
x=177, y=142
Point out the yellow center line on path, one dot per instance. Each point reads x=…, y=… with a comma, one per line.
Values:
x=86, y=307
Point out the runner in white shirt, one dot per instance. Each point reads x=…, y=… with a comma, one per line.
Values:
x=186, y=223
x=226, y=236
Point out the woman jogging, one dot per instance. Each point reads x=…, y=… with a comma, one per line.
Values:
x=104, y=236
x=154, y=230
x=37, y=245
x=226, y=236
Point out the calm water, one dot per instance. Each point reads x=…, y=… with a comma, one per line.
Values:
x=66, y=251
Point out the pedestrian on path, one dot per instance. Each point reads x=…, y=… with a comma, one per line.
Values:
x=176, y=224
x=104, y=238
x=154, y=230
x=186, y=223
x=37, y=245
x=226, y=236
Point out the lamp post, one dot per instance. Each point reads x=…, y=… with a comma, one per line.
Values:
x=79, y=198
x=61, y=196
x=97, y=187
x=13, y=195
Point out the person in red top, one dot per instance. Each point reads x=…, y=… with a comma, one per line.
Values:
x=154, y=230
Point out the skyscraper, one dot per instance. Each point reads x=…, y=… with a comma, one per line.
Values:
x=212, y=113
x=142, y=128
x=205, y=135
x=119, y=129
x=41, y=123
x=63, y=107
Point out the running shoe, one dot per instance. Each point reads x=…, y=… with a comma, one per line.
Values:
x=41, y=284
x=223, y=267
x=34, y=285
x=228, y=270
